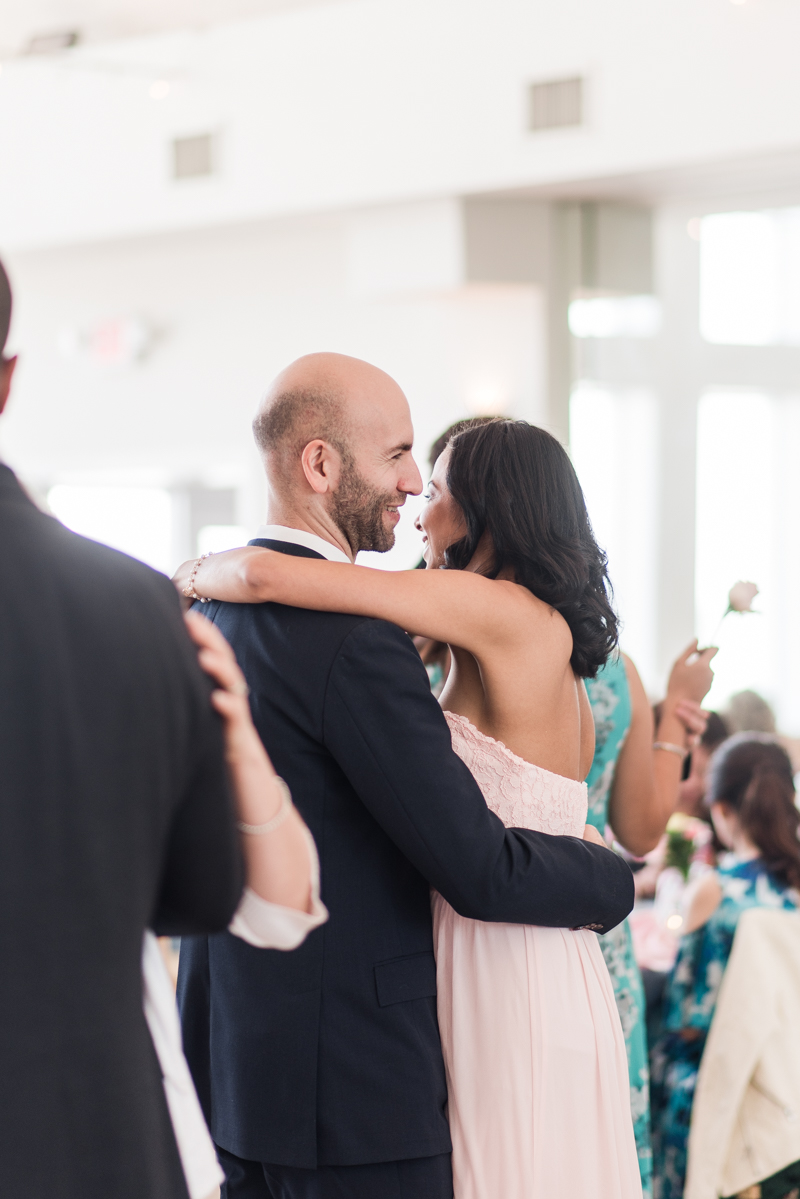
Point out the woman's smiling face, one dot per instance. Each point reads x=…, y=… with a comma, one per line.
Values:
x=441, y=521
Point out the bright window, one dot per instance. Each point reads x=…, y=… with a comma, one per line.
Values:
x=750, y=277
x=748, y=498
x=213, y=539
x=136, y=520
x=614, y=448
x=615, y=316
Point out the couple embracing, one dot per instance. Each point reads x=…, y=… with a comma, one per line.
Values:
x=452, y=1028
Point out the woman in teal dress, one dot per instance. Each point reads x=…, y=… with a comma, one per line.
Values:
x=752, y=796
x=633, y=786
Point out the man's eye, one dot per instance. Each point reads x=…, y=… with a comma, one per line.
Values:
x=426, y=495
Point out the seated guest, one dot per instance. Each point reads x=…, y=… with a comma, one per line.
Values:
x=752, y=800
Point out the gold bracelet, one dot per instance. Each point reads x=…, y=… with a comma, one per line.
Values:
x=189, y=590
x=670, y=748
x=256, y=830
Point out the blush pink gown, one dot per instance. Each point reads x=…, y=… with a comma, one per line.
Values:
x=537, y=1076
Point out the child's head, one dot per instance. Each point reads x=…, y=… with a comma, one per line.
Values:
x=751, y=791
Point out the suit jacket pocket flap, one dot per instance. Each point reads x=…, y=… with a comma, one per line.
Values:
x=401, y=979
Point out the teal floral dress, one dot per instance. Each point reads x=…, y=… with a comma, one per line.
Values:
x=611, y=707
x=689, y=1003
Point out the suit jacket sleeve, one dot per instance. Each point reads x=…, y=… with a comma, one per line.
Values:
x=390, y=738
x=203, y=872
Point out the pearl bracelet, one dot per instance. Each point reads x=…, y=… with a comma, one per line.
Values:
x=189, y=590
x=670, y=748
x=256, y=830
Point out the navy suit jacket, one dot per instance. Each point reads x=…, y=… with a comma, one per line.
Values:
x=330, y=1054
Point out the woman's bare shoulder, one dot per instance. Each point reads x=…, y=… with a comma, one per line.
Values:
x=540, y=622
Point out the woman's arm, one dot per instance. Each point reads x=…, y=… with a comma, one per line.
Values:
x=646, y=781
x=456, y=606
x=701, y=900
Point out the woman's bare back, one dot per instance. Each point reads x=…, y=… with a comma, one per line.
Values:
x=523, y=692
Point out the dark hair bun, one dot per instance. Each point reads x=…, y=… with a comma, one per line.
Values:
x=516, y=482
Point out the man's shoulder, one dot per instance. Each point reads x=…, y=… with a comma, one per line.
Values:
x=331, y=632
x=294, y=619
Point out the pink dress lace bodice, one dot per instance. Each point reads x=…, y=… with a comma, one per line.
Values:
x=521, y=794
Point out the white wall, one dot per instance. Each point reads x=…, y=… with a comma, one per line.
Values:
x=375, y=101
x=229, y=309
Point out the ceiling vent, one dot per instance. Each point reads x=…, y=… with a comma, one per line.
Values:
x=193, y=157
x=555, y=104
x=51, y=43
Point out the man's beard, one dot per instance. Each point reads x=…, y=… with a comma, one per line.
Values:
x=358, y=509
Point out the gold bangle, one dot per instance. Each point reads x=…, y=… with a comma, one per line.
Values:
x=670, y=748
x=257, y=830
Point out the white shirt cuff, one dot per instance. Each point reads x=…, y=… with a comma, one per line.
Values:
x=271, y=925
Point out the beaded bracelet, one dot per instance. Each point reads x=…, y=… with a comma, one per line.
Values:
x=189, y=590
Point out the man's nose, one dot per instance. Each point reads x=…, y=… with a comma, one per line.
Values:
x=411, y=482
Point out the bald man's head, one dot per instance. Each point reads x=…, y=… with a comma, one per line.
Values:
x=292, y=416
x=335, y=434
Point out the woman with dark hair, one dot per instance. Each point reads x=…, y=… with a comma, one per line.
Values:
x=752, y=800
x=633, y=786
x=517, y=586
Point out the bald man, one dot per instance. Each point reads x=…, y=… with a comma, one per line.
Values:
x=321, y=1070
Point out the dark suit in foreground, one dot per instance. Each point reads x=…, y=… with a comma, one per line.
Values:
x=114, y=815
x=328, y=1058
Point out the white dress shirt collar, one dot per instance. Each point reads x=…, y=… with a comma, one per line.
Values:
x=300, y=537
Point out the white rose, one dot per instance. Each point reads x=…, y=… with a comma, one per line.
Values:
x=741, y=596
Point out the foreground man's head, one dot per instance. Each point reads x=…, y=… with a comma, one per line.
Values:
x=335, y=435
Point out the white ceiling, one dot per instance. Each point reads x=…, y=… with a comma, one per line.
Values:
x=103, y=20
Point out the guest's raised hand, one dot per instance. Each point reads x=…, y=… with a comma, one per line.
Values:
x=691, y=675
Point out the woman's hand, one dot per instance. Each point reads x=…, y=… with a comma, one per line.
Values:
x=590, y=833
x=181, y=580
x=682, y=721
x=691, y=676
x=240, y=576
x=243, y=747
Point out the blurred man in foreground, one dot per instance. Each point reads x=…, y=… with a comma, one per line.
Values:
x=114, y=817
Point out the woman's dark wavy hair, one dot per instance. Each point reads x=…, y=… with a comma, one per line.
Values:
x=515, y=482
x=752, y=774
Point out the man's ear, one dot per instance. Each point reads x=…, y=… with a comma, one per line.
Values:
x=321, y=466
x=6, y=375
